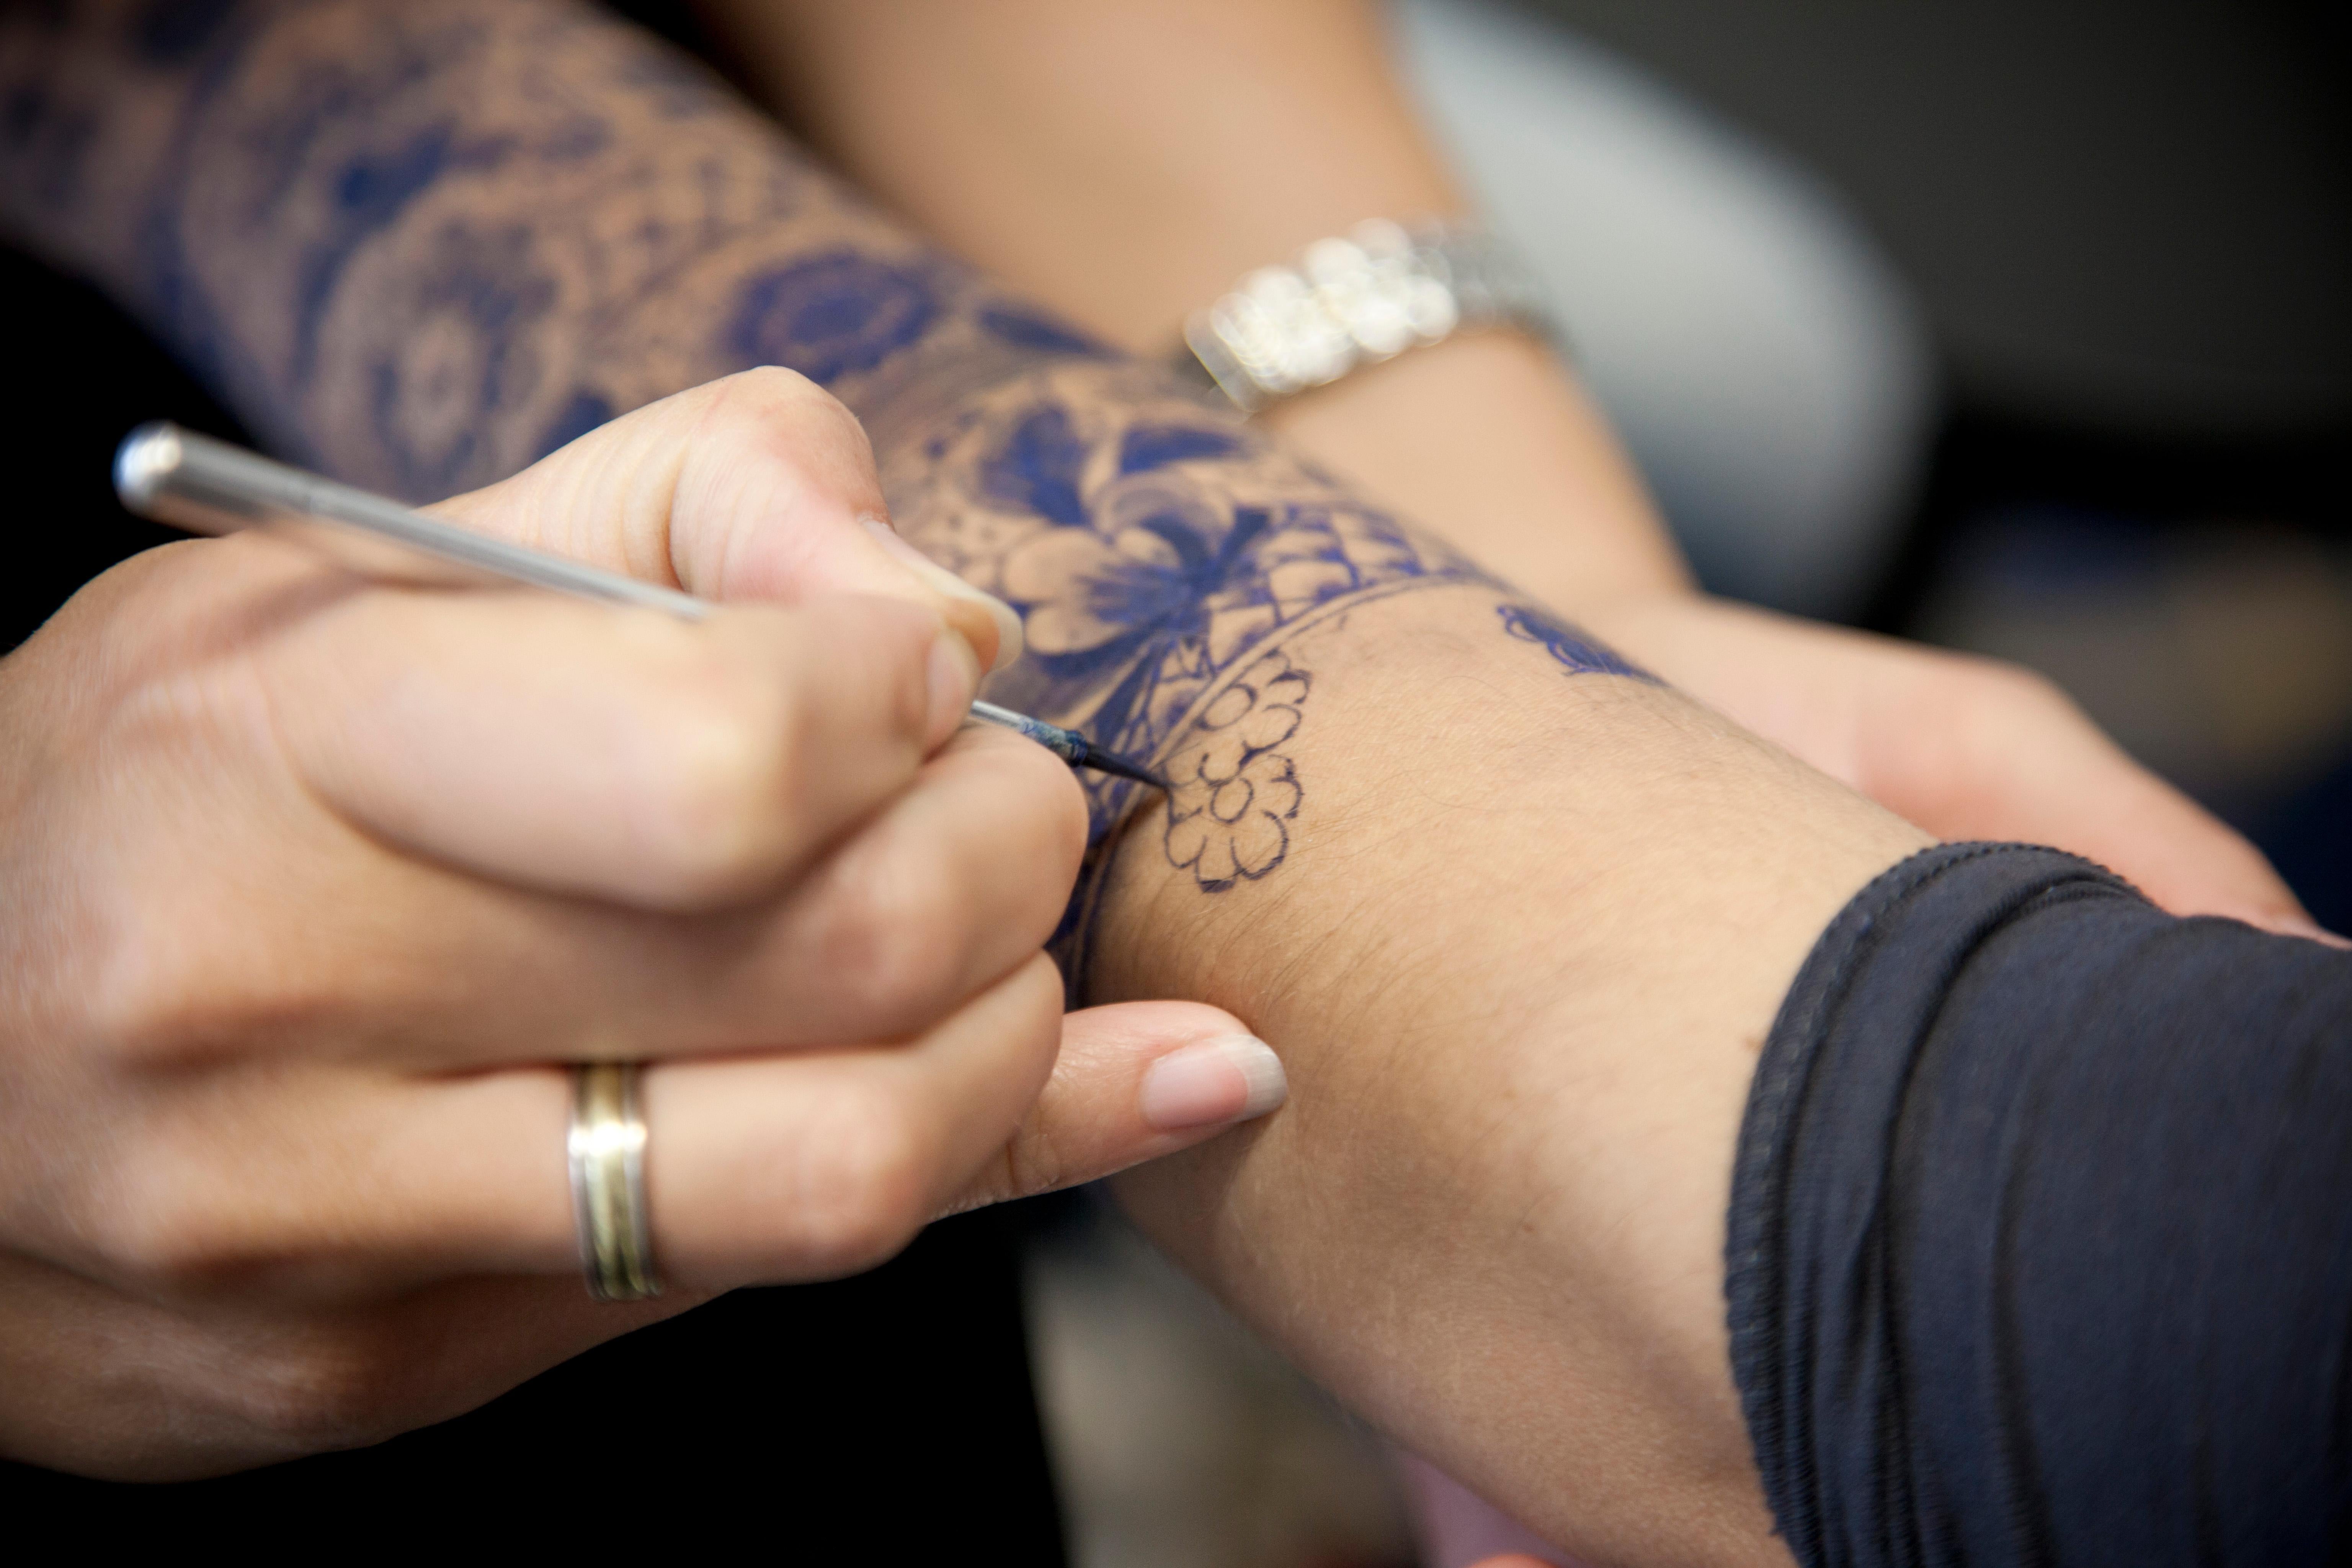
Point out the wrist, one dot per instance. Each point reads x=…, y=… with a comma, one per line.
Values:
x=1487, y=441
x=1514, y=957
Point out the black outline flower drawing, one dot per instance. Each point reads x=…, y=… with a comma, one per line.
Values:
x=1234, y=793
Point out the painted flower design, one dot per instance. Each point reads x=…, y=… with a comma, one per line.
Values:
x=1150, y=562
x=463, y=355
x=1235, y=793
x=832, y=315
x=1147, y=580
x=1141, y=548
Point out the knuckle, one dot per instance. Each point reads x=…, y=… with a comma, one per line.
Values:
x=1991, y=700
x=1053, y=810
x=1038, y=817
x=893, y=943
x=1036, y=1161
x=164, y=1224
x=772, y=386
x=864, y=1183
x=1997, y=683
x=767, y=406
x=166, y=995
x=715, y=807
x=330, y=1390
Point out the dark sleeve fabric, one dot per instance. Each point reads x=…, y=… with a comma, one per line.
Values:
x=2041, y=1235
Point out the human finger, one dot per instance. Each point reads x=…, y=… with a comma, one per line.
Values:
x=757, y=486
x=327, y=1182
x=1132, y=1081
x=1963, y=747
x=941, y=893
x=616, y=753
x=826, y=1163
x=225, y=1385
x=2009, y=756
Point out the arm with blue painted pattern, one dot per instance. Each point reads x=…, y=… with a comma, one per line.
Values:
x=1514, y=914
x=990, y=126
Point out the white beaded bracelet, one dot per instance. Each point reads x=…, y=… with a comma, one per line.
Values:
x=1357, y=301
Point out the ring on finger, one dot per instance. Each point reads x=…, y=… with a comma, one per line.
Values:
x=607, y=1149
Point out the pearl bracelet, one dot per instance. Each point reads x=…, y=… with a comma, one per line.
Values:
x=1357, y=301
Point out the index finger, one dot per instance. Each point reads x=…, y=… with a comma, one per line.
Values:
x=619, y=754
x=757, y=486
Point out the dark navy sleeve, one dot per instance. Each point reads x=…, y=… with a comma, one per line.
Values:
x=2040, y=1235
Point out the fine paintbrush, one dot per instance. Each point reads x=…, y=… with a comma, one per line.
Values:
x=195, y=482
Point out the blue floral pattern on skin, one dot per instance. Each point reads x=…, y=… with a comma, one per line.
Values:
x=1039, y=334
x=1578, y=653
x=1037, y=467
x=1154, y=557
x=831, y=315
x=1234, y=795
x=468, y=352
x=508, y=224
x=1148, y=446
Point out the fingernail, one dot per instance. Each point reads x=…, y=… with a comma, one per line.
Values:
x=1232, y=1079
x=954, y=675
x=940, y=580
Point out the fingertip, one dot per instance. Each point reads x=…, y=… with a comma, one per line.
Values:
x=1211, y=1083
x=1196, y=1067
x=953, y=673
x=987, y=622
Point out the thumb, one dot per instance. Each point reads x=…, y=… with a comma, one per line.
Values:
x=757, y=486
x=1133, y=1082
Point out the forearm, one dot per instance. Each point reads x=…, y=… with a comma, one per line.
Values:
x=420, y=245
x=1128, y=162
x=1518, y=969
x=1420, y=838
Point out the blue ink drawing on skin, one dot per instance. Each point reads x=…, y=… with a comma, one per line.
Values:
x=1038, y=469
x=465, y=356
x=1148, y=446
x=831, y=315
x=370, y=194
x=1579, y=655
x=581, y=137
x=1235, y=794
x=1024, y=330
x=583, y=412
x=1090, y=600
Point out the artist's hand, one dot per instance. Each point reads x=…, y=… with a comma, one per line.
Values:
x=1965, y=747
x=307, y=885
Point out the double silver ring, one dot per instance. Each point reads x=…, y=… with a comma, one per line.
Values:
x=607, y=1146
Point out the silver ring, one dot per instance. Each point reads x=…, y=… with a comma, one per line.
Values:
x=607, y=1146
